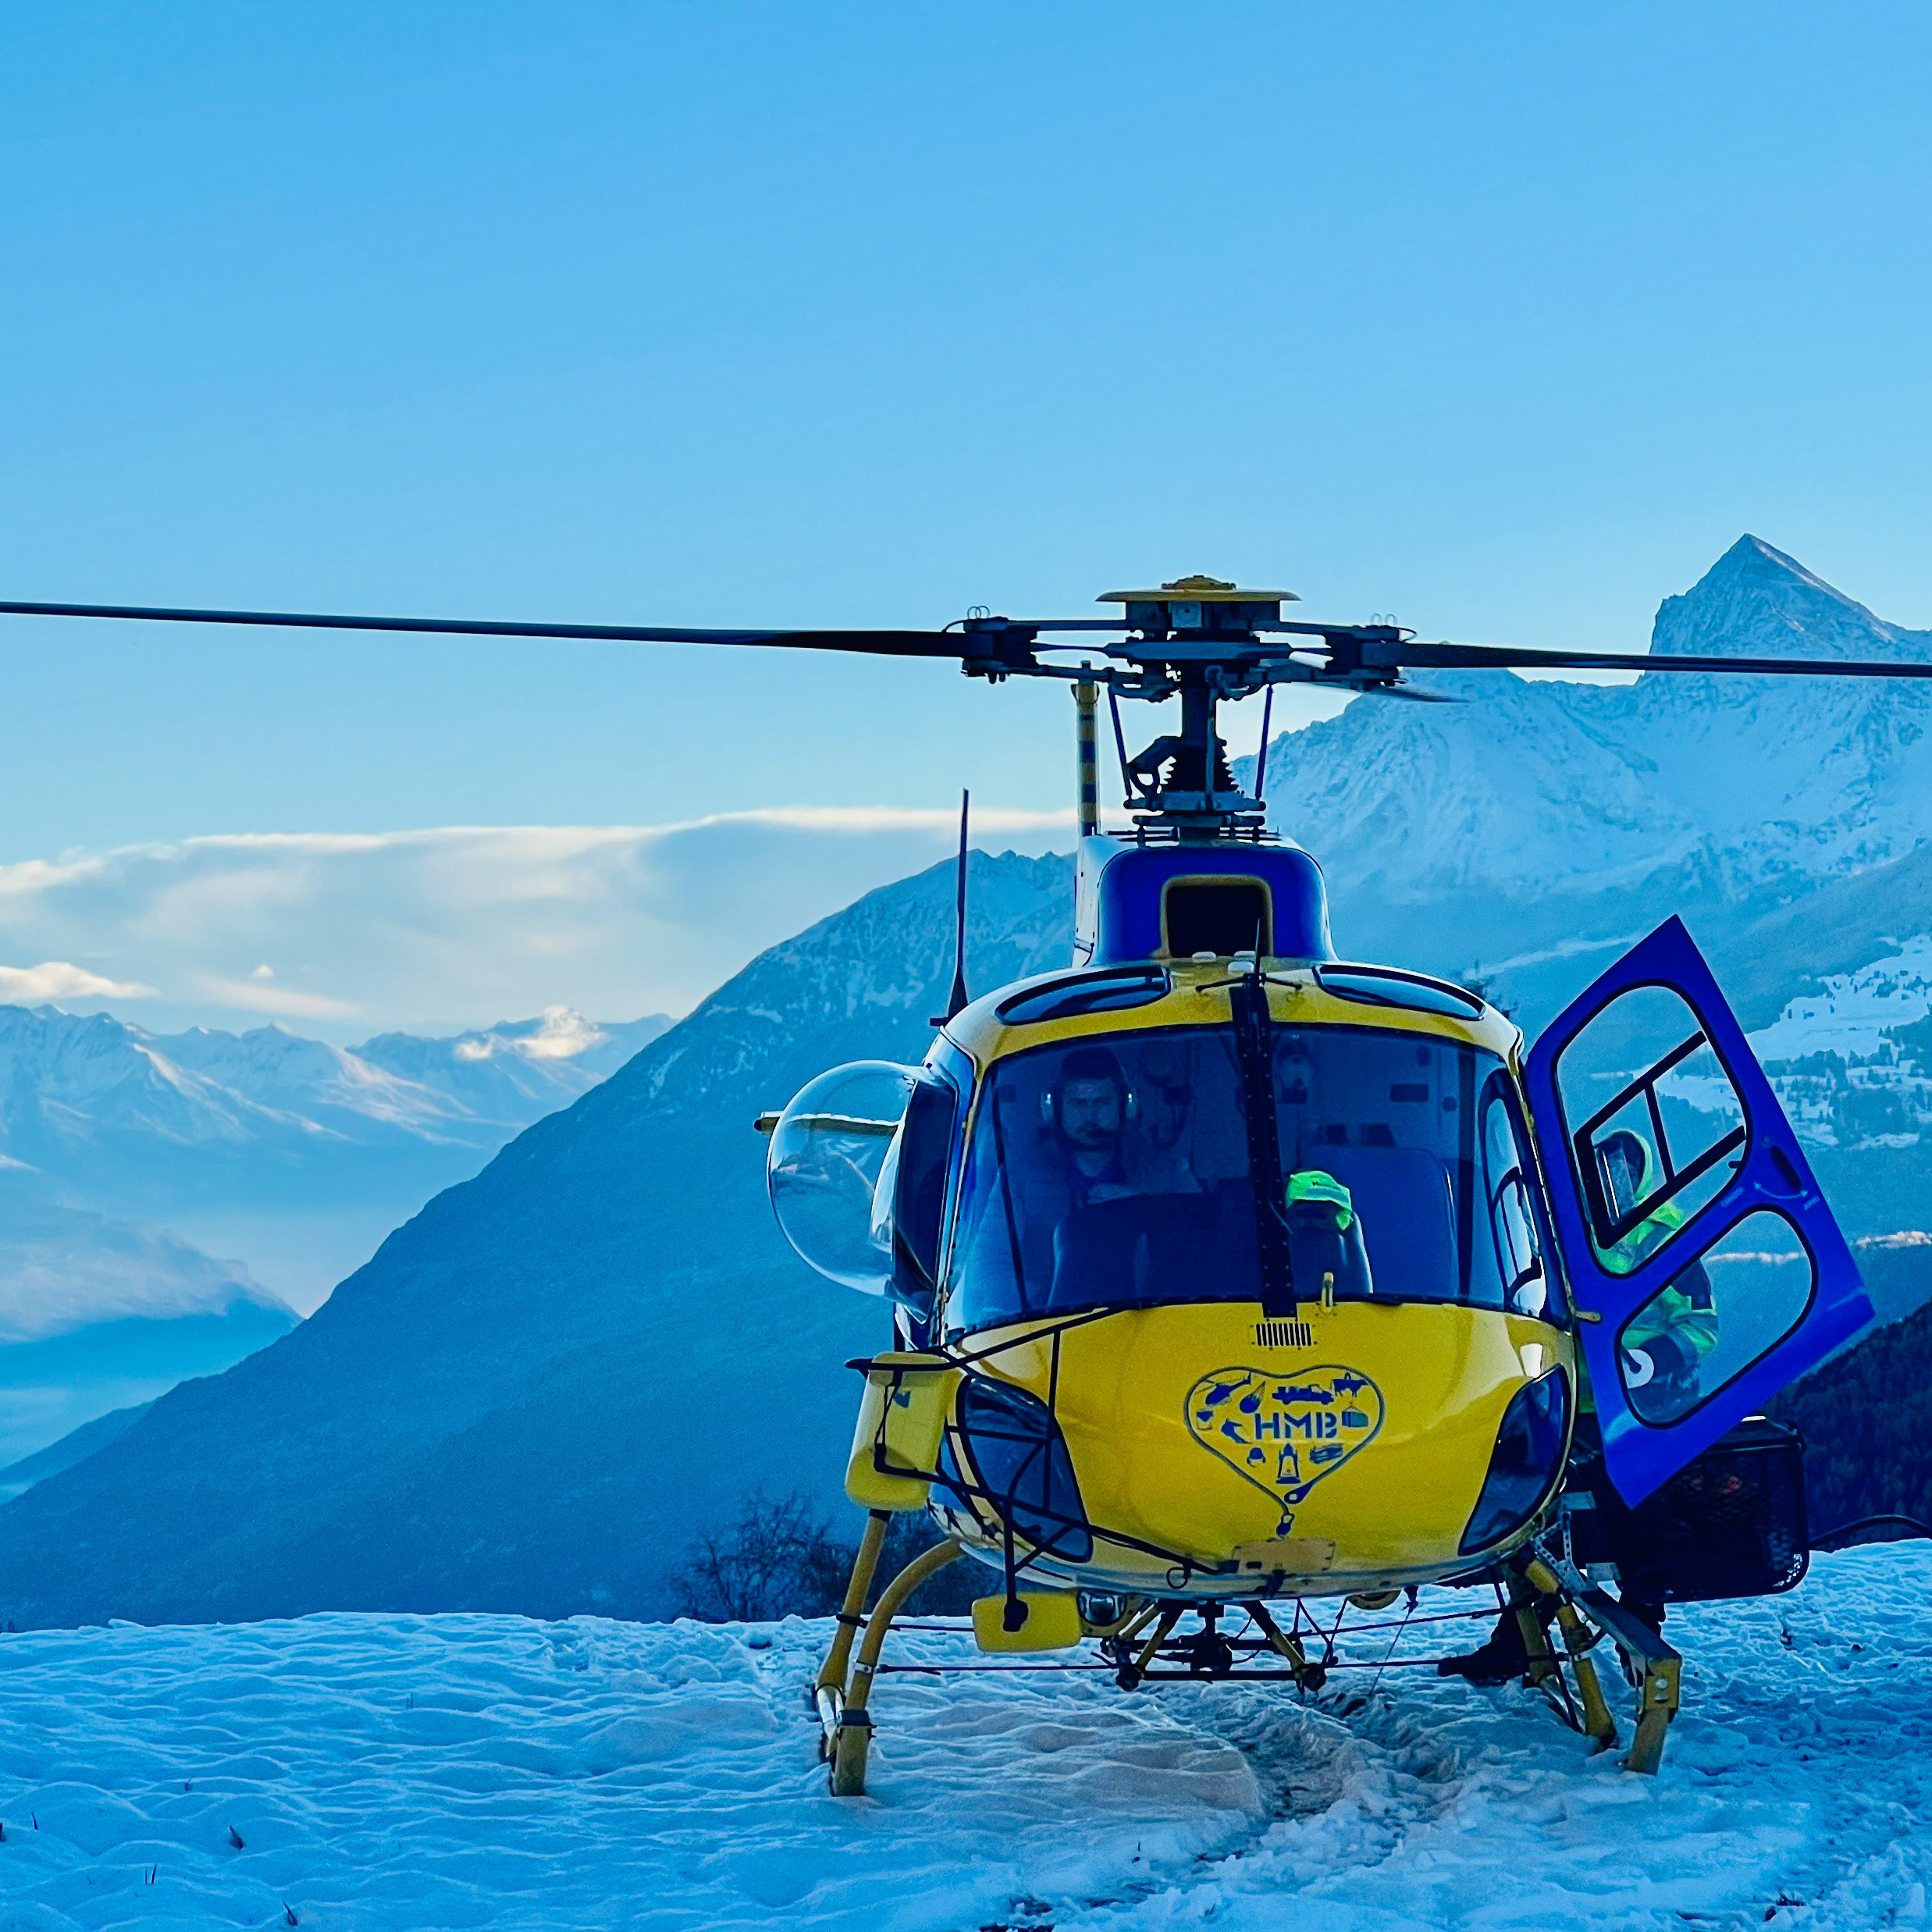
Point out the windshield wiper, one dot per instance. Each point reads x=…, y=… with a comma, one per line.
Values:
x=1254, y=1061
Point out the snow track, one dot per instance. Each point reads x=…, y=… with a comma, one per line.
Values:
x=415, y=1774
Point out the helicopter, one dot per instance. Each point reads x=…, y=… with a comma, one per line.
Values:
x=1235, y=1285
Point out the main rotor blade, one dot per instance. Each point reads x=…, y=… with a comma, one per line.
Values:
x=877, y=643
x=1501, y=657
x=1414, y=693
x=1003, y=642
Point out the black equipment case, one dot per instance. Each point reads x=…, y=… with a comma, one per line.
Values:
x=1730, y=1524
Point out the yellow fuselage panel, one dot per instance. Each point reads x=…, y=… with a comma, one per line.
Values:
x=1188, y=1433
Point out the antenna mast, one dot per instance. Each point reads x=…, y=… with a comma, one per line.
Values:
x=959, y=999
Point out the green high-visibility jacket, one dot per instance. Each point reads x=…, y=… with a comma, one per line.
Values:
x=1685, y=1309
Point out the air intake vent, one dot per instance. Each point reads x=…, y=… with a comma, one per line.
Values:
x=1284, y=1335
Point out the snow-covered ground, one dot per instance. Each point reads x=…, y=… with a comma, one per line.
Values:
x=1842, y=1077
x=420, y=1773
x=1853, y=1014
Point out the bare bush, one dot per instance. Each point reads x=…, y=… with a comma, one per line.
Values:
x=781, y=1558
x=778, y=1559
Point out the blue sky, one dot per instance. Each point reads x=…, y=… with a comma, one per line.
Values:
x=1505, y=319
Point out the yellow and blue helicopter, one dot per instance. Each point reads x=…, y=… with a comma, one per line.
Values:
x=1235, y=1284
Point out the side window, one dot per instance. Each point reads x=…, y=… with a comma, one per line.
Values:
x=1654, y=1123
x=919, y=1186
x=1512, y=1227
x=1728, y=1308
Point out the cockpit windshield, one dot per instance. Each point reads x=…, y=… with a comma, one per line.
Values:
x=1116, y=1172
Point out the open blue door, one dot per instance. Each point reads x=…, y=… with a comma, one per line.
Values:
x=1705, y=1269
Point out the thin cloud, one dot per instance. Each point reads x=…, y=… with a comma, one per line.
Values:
x=30, y=876
x=880, y=818
x=447, y=928
x=57, y=978
x=251, y=996
x=561, y=1035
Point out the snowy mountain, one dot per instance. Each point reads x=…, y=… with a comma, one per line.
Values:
x=299, y=1155
x=1731, y=786
x=519, y=1070
x=1539, y=828
x=555, y=1375
x=68, y=1083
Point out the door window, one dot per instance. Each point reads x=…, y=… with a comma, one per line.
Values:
x=1654, y=1119
x=1727, y=1309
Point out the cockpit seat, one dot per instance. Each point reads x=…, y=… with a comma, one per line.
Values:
x=1402, y=1195
x=1193, y=1246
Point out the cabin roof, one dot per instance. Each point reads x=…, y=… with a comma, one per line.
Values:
x=1199, y=995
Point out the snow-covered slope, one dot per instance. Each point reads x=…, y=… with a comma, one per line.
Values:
x=396, y=1773
x=1855, y=1014
x=1734, y=784
x=1851, y=1062
x=515, y=1404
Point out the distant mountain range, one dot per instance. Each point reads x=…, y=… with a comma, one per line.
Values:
x=74, y=1091
x=559, y=1370
x=297, y=1156
x=126, y=1157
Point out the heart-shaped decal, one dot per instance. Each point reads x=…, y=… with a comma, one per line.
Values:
x=1284, y=1433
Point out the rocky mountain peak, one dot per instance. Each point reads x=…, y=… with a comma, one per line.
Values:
x=1531, y=791
x=1754, y=600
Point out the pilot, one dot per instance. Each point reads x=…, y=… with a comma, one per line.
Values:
x=1089, y=1113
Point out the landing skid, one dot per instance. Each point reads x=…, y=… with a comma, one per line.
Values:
x=1150, y=1647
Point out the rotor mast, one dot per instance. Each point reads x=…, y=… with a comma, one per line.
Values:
x=1197, y=639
